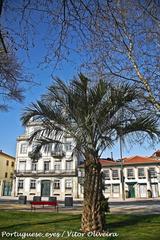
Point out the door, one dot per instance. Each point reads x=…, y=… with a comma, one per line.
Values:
x=154, y=189
x=45, y=188
x=131, y=189
x=143, y=190
x=7, y=188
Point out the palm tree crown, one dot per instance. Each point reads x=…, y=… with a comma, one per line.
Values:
x=95, y=115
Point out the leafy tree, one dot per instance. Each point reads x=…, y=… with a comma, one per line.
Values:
x=94, y=115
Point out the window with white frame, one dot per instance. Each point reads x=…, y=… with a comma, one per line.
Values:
x=69, y=165
x=115, y=174
x=57, y=166
x=58, y=148
x=22, y=165
x=68, y=184
x=116, y=188
x=68, y=146
x=152, y=172
x=23, y=148
x=46, y=165
x=34, y=166
x=141, y=173
x=107, y=188
x=56, y=184
x=106, y=174
x=130, y=173
x=20, y=184
x=33, y=184
x=48, y=148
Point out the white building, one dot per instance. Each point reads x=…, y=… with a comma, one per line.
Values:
x=141, y=177
x=54, y=174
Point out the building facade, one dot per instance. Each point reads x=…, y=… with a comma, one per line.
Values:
x=141, y=177
x=54, y=174
x=7, y=164
x=58, y=172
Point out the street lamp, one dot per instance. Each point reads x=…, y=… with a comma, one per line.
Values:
x=122, y=174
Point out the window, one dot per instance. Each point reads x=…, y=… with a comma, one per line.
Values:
x=57, y=166
x=107, y=188
x=58, y=148
x=46, y=166
x=69, y=165
x=22, y=165
x=7, y=163
x=20, y=184
x=12, y=164
x=141, y=173
x=6, y=174
x=106, y=175
x=115, y=188
x=68, y=146
x=23, y=148
x=115, y=174
x=34, y=166
x=56, y=184
x=68, y=184
x=130, y=173
x=48, y=148
x=11, y=175
x=33, y=184
x=152, y=172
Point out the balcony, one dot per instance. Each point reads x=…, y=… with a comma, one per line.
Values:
x=35, y=156
x=58, y=154
x=49, y=173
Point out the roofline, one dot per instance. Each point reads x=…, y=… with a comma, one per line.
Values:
x=5, y=154
x=125, y=165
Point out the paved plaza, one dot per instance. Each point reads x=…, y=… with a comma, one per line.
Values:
x=148, y=206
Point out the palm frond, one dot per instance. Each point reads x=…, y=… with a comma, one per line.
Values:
x=94, y=115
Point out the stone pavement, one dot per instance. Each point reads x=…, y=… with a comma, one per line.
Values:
x=119, y=209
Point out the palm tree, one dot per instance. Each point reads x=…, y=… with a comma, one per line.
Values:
x=95, y=115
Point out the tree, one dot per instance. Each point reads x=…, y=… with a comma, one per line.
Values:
x=10, y=80
x=94, y=115
x=116, y=38
x=12, y=76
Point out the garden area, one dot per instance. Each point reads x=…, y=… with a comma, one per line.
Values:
x=42, y=225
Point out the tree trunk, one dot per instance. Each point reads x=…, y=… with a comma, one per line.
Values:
x=93, y=216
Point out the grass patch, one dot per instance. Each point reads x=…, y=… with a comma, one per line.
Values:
x=128, y=227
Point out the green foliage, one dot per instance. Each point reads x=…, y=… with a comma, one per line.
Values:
x=95, y=115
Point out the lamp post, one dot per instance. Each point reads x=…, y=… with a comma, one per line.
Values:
x=122, y=174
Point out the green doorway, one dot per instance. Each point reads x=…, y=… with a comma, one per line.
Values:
x=131, y=189
x=45, y=188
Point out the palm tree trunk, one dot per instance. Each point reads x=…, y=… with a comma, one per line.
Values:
x=93, y=216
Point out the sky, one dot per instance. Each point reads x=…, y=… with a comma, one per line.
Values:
x=10, y=124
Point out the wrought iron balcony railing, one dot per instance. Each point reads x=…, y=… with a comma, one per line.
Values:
x=46, y=172
x=58, y=154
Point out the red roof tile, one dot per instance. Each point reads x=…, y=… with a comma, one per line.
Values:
x=128, y=161
x=139, y=160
